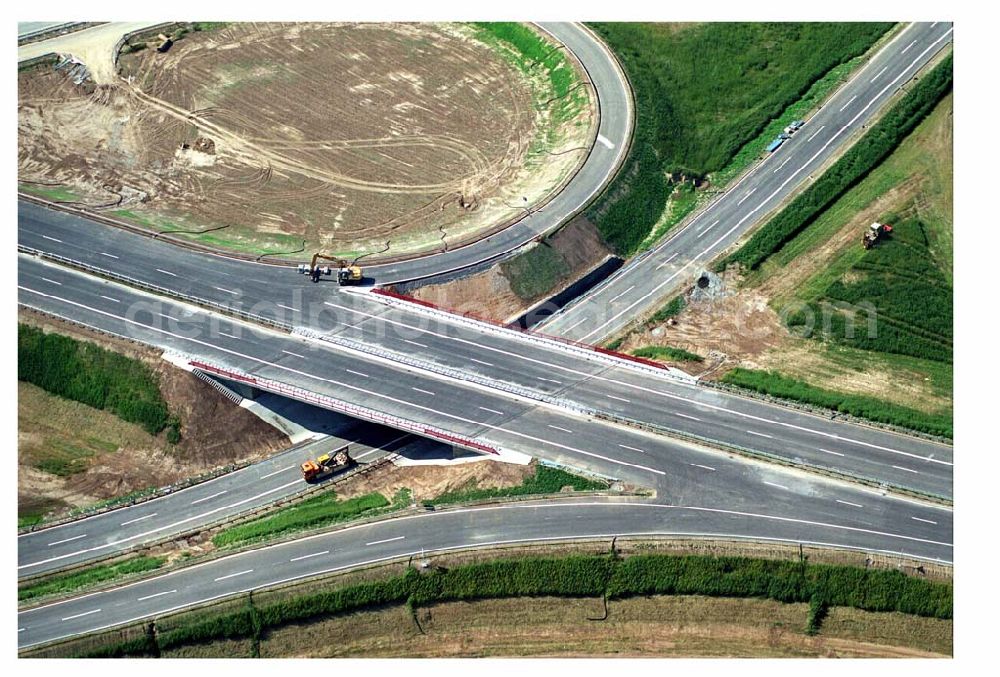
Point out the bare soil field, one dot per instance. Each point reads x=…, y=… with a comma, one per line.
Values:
x=118, y=457
x=348, y=139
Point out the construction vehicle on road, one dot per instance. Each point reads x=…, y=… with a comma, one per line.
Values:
x=346, y=273
x=327, y=464
x=875, y=232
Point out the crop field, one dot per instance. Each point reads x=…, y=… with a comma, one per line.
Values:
x=348, y=139
x=703, y=92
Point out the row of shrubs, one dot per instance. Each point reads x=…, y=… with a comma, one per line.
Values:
x=864, y=156
x=871, y=408
x=86, y=373
x=576, y=576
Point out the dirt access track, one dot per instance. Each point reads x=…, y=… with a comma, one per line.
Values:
x=348, y=139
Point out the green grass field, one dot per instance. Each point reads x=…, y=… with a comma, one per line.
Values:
x=703, y=93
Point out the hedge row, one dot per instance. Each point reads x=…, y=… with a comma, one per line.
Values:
x=864, y=156
x=871, y=408
x=87, y=373
x=580, y=576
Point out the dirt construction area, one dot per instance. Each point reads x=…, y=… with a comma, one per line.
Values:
x=348, y=139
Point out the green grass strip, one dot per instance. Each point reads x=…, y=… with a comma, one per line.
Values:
x=871, y=408
x=89, y=577
x=546, y=480
x=667, y=353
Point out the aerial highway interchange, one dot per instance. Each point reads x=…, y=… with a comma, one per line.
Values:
x=558, y=402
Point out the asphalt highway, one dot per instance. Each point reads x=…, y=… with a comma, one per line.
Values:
x=484, y=352
x=646, y=281
x=681, y=473
x=889, y=527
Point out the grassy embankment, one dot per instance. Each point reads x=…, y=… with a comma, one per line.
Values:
x=900, y=173
x=707, y=96
x=823, y=587
x=88, y=577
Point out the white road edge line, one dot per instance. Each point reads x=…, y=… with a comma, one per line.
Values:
x=238, y=573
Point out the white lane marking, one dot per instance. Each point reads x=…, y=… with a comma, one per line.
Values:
x=921, y=519
x=774, y=193
x=814, y=135
x=672, y=257
x=827, y=451
x=158, y=594
x=58, y=284
x=386, y=540
x=622, y=294
x=228, y=291
x=207, y=498
x=67, y=540
x=744, y=198
x=487, y=364
x=576, y=324
x=934, y=24
x=782, y=164
x=899, y=467
x=356, y=373
x=884, y=69
x=315, y=554
x=705, y=230
x=110, y=256
x=854, y=505
x=52, y=238
x=625, y=446
x=238, y=573
x=555, y=427
x=421, y=390
x=780, y=486
x=272, y=474
x=706, y=467
x=289, y=352
x=20, y=629
x=620, y=399
x=138, y=519
x=850, y=101
x=770, y=437
x=686, y=416
x=607, y=144
x=550, y=380
x=108, y=298
x=286, y=307
x=907, y=47
x=415, y=343
x=492, y=411
x=166, y=272
x=85, y=613
x=222, y=333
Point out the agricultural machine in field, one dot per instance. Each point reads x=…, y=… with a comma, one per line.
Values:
x=875, y=232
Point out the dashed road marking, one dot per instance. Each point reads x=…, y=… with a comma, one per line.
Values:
x=622, y=294
x=315, y=554
x=743, y=199
x=85, y=613
x=782, y=164
x=705, y=230
x=620, y=399
x=780, y=486
x=108, y=298
x=238, y=573
x=555, y=427
x=67, y=540
x=848, y=103
x=228, y=291
x=208, y=498
x=415, y=343
x=222, y=333
x=492, y=411
x=827, y=451
x=672, y=257
x=271, y=474
x=921, y=519
x=138, y=519
x=607, y=144
x=52, y=238
x=908, y=47
x=770, y=437
x=110, y=256
x=899, y=467
x=158, y=594
x=854, y=505
x=58, y=284
x=166, y=272
x=706, y=467
x=486, y=364
x=386, y=540
x=280, y=305
x=289, y=352
x=576, y=324
x=690, y=417
x=421, y=390
x=356, y=373
x=877, y=75
x=625, y=446
x=815, y=133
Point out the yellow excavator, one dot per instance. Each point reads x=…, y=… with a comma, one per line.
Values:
x=346, y=273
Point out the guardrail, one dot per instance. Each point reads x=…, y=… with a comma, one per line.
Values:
x=585, y=350
x=354, y=410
